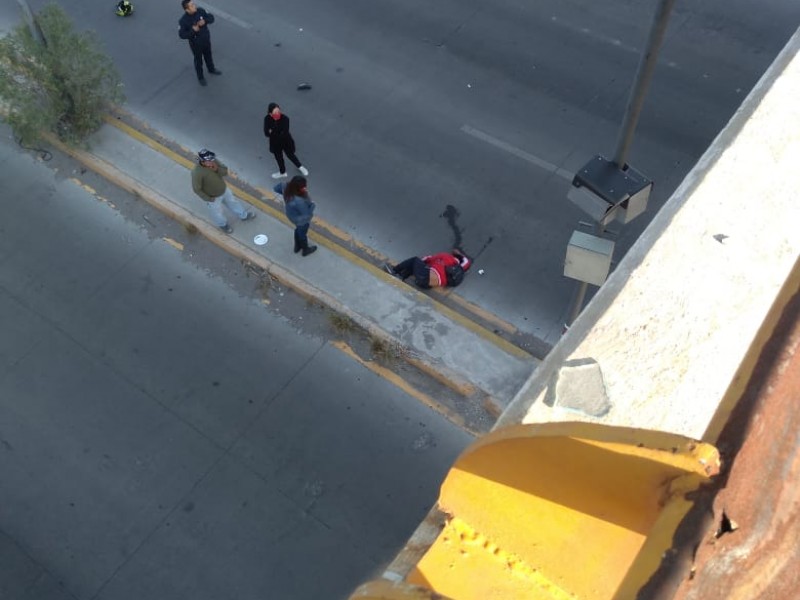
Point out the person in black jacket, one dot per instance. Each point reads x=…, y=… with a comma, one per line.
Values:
x=194, y=27
x=276, y=128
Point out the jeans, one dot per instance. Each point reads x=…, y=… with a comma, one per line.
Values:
x=301, y=236
x=215, y=208
x=414, y=266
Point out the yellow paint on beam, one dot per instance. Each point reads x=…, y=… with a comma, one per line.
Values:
x=401, y=383
x=383, y=589
x=462, y=550
x=561, y=510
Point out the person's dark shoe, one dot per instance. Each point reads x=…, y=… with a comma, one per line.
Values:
x=202, y=82
x=216, y=72
x=227, y=228
x=297, y=248
x=309, y=250
x=249, y=216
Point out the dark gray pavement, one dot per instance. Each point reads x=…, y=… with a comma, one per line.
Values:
x=446, y=342
x=417, y=106
x=164, y=436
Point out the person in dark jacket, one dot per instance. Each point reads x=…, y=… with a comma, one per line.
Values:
x=276, y=128
x=445, y=269
x=299, y=209
x=194, y=27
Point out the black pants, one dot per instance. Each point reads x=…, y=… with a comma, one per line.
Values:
x=202, y=52
x=278, y=154
x=415, y=266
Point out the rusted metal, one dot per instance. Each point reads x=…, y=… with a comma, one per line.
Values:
x=742, y=539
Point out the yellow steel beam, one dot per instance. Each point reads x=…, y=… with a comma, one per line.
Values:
x=381, y=589
x=561, y=510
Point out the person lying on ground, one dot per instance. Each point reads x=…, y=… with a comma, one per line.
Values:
x=445, y=269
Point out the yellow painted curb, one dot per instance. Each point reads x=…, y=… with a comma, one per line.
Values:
x=243, y=252
x=401, y=383
x=345, y=253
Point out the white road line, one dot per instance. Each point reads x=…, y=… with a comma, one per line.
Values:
x=228, y=17
x=607, y=40
x=539, y=162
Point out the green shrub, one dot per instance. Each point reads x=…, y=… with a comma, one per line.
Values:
x=63, y=86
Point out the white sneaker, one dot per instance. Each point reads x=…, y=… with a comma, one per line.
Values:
x=279, y=175
x=304, y=171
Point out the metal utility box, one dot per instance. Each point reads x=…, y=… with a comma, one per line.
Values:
x=601, y=187
x=588, y=258
x=634, y=206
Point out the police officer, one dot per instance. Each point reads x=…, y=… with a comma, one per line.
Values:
x=194, y=27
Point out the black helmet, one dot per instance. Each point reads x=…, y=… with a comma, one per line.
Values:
x=206, y=155
x=124, y=8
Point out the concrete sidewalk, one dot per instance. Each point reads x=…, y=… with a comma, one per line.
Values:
x=446, y=343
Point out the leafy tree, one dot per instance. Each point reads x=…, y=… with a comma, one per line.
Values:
x=63, y=85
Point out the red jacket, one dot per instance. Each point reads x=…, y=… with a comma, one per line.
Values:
x=438, y=262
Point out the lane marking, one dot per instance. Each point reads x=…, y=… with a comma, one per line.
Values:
x=519, y=153
x=464, y=388
x=401, y=383
x=476, y=310
x=174, y=243
x=227, y=16
x=607, y=40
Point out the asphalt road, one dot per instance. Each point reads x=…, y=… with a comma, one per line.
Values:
x=418, y=106
x=165, y=435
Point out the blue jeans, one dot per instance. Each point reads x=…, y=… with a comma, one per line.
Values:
x=301, y=236
x=215, y=208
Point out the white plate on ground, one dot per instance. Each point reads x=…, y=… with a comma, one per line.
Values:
x=260, y=239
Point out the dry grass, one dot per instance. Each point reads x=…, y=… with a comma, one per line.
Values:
x=386, y=351
x=342, y=323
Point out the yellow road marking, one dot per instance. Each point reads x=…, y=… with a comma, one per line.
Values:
x=173, y=243
x=85, y=186
x=342, y=251
x=125, y=182
x=477, y=310
x=401, y=383
x=148, y=141
x=464, y=388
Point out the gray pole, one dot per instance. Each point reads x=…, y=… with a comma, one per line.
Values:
x=580, y=291
x=647, y=64
x=36, y=33
x=577, y=304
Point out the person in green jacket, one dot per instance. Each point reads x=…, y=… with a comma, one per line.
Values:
x=208, y=182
